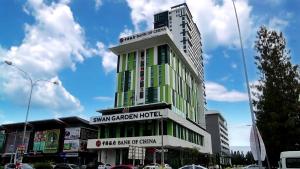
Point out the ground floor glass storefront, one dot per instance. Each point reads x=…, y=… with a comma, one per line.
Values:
x=174, y=157
x=149, y=128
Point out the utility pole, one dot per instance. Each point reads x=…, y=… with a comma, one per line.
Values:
x=255, y=133
x=162, y=142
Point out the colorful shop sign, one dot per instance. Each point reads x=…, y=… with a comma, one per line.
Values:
x=75, y=145
x=147, y=141
x=39, y=140
x=52, y=141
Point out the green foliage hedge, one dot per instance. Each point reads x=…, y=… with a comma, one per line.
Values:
x=42, y=166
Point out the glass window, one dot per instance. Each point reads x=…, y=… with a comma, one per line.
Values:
x=130, y=131
x=293, y=162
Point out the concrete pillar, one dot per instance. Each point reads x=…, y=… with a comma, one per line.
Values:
x=99, y=156
x=121, y=156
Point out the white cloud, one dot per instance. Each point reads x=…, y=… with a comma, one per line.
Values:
x=234, y=65
x=217, y=92
x=55, y=41
x=103, y=98
x=206, y=57
x=216, y=21
x=126, y=32
x=278, y=24
x=239, y=135
x=109, y=59
x=98, y=3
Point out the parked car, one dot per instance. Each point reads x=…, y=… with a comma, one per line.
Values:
x=66, y=166
x=104, y=166
x=167, y=166
x=18, y=166
x=152, y=166
x=192, y=166
x=156, y=166
x=289, y=159
x=252, y=166
x=123, y=167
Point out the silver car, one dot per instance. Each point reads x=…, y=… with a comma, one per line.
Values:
x=104, y=166
x=193, y=166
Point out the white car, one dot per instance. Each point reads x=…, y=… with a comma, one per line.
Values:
x=151, y=166
x=193, y=166
x=252, y=166
x=104, y=166
x=167, y=166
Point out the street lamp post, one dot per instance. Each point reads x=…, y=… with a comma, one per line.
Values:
x=32, y=84
x=255, y=133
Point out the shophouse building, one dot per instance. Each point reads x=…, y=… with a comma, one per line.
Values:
x=53, y=140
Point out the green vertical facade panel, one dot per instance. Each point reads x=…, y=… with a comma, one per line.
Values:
x=123, y=62
x=155, y=75
x=120, y=98
x=169, y=127
x=163, y=74
x=133, y=79
x=161, y=93
x=146, y=81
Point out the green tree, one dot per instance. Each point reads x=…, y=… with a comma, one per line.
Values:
x=277, y=97
x=249, y=158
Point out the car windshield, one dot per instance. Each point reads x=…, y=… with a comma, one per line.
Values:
x=187, y=167
x=293, y=162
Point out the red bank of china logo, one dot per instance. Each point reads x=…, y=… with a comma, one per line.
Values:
x=98, y=143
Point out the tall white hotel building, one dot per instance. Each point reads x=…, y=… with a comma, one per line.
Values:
x=159, y=98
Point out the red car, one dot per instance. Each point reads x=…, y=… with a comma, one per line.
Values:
x=123, y=167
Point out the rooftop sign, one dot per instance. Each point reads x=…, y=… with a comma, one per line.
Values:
x=141, y=35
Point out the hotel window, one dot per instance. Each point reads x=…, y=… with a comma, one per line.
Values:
x=151, y=95
x=160, y=75
x=127, y=81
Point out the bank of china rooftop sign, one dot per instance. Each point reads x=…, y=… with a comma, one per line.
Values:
x=124, y=117
x=142, y=35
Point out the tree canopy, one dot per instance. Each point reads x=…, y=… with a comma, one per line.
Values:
x=277, y=94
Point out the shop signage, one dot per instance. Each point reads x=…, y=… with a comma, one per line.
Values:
x=74, y=145
x=72, y=133
x=123, y=117
x=52, y=141
x=39, y=140
x=148, y=141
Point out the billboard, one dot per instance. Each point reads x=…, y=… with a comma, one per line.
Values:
x=75, y=145
x=72, y=133
x=52, y=141
x=39, y=141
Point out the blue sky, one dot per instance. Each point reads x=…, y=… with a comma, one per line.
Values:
x=68, y=40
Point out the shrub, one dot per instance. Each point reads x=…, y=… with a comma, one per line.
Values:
x=42, y=166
